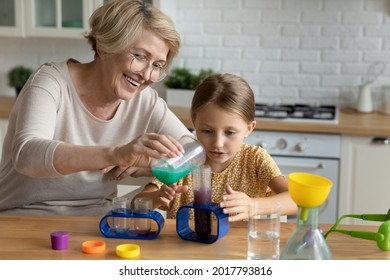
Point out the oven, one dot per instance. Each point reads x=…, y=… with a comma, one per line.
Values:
x=306, y=152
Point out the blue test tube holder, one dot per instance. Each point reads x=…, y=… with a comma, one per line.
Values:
x=184, y=230
x=110, y=232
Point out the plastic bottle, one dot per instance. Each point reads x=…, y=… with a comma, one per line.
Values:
x=307, y=242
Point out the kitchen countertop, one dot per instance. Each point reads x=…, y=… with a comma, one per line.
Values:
x=350, y=122
x=6, y=104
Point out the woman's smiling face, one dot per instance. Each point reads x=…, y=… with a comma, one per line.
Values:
x=122, y=78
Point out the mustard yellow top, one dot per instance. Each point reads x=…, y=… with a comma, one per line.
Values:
x=250, y=172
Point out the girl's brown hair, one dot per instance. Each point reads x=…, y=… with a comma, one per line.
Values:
x=230, y=92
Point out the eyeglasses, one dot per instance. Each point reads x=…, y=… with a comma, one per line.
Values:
x=382, y=237
x=141, y=63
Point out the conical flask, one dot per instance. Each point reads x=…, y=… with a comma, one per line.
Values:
x=308, y=191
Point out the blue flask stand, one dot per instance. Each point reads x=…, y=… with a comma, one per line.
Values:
x=184, y=230
x=107, y=231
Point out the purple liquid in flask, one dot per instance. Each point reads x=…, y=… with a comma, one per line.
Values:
x=202, y=196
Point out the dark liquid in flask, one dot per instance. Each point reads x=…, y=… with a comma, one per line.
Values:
x=202, y=217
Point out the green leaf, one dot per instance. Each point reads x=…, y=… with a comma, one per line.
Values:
x=183, y=78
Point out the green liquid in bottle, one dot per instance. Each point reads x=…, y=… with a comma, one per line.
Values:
x=170, y=175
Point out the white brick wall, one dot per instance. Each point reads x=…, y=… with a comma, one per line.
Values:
x=288, y=50
x=32, y=52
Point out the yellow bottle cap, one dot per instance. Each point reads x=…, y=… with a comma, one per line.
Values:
x=128, y=251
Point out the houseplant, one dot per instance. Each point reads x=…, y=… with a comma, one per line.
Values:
x=18, y=76
x=181, y=84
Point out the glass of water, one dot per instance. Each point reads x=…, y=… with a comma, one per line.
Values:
x=263, y=232
x=120, y=206
x=143, y=205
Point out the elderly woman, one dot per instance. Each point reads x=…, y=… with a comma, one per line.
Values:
x=77, y=128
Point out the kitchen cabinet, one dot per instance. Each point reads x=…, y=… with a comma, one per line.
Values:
x=98, y=3
x=11, y=18
x=45, y=18
x=364, y=176
x=48, y=18
x=57, y=18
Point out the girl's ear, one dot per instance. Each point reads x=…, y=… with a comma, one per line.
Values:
x=251, y=127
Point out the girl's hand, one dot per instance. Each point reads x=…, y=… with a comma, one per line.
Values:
x=236, y=204
x=168, y=193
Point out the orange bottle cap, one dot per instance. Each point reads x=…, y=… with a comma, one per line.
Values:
x=93, y=247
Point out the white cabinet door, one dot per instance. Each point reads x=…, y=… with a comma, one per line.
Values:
x=11, y=18
x=48, y=18
x=57, y=18
x=156, y=3
x=364, y=176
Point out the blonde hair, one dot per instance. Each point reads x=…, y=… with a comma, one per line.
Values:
x=230, y=92
x=119, y=23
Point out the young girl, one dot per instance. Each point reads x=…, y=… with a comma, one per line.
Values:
x=222, y=111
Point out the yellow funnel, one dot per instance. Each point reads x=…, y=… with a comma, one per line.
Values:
x=308, y=190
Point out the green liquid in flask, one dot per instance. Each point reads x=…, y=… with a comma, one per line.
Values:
x=169, y=175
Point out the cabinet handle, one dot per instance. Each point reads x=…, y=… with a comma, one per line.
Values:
x=319, y=165
x=381, y=140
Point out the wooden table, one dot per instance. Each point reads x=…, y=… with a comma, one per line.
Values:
x=28, y=237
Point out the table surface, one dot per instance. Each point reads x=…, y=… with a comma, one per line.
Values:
x=28, y=237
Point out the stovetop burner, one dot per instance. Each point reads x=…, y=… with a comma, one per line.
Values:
x=298, y=112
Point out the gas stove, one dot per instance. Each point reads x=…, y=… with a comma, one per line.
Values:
x=298, y=112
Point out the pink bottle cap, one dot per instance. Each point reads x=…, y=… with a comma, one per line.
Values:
x=59, y=240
